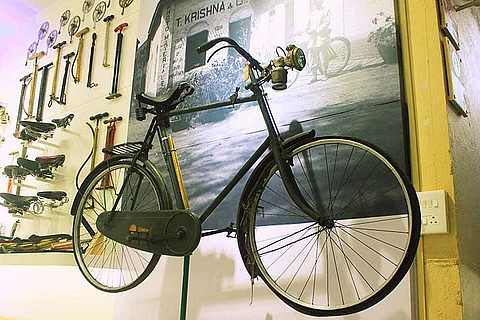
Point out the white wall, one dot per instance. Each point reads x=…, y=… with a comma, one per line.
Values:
x=219, y=285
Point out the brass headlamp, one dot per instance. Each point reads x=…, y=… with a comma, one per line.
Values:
x=294, y=59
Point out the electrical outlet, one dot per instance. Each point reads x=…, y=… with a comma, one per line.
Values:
x=433, y=206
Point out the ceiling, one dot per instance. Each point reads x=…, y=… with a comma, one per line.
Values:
x=37, y=5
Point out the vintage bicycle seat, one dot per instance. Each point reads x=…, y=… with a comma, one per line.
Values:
x=56, y=160
x=63, y=122
x=14, y=171
x=17, y=199
x=25, y=136
x=52, y=195
x=28, y=164
x=168, y=100
x=42, y=127
x=35, y=168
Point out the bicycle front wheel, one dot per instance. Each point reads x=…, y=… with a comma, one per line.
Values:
x=362, y=249
x=106, y=264
x=336, y=57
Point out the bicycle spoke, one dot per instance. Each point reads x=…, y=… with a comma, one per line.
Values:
x=365, y=243
x=372, y=249
x=347, y=264
x=107, y=264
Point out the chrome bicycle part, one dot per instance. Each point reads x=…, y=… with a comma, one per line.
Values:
x=51, y=39
x=42, y=32
x=74, y=26
x=64, y=18
x=99, y=12
x=87, y=7
x=124, y=3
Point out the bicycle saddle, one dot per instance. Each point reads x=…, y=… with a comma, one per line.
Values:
x=25, y=136
x=168, y=100
x=38, y=126
x=13, y=198
x=56, y=160
x=28, y=164
x=14, y=171
x=52, y=195
x=63, y=122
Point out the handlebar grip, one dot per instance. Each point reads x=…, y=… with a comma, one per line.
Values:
x=209, y=44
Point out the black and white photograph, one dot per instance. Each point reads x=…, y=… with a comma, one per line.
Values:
x=351, y=84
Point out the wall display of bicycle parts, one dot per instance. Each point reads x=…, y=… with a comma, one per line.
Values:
x=74, y=23
x=35, y=205
x=39, y=136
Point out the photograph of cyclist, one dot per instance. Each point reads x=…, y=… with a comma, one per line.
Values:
x=318, y=29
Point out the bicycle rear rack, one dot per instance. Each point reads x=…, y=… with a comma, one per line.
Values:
x=124, y=148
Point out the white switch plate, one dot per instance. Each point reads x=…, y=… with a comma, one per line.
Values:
x=433, y=206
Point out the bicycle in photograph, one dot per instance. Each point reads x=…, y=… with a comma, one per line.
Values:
x=328, y=59
x=330, y=224
x=334, y=56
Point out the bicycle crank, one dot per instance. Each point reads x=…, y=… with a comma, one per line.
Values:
x=168, y=232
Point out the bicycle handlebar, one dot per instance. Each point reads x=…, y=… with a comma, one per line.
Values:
x=209, y=44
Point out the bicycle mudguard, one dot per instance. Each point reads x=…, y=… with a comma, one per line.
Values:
x=125, y=157
x=298, y=137
x=288, y=144
x=167, y=232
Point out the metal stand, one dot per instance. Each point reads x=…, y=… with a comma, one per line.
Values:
x=182, y=200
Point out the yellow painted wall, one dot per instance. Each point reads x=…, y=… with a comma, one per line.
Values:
x=437, y=262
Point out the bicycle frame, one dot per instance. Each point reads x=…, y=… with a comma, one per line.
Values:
x=159, y=126
x=361, y=208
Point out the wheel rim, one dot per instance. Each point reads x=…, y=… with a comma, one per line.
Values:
x=106, y=264
x=351, y=264
x=338, y=56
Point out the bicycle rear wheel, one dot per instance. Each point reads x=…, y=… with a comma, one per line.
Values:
x=336, y=57
x=106, y=264
x=355, y=260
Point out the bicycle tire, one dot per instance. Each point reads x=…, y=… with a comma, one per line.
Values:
x=339, y=52
x=371, y=204
x=106, y=264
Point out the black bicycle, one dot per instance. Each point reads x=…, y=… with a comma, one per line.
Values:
x=330, y=224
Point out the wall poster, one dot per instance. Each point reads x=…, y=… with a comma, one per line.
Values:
x=359, y=93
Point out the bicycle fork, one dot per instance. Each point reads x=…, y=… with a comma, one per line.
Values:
x=283, y=163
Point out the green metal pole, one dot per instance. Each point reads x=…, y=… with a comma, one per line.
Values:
x=183, y=305
x=182, y=201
